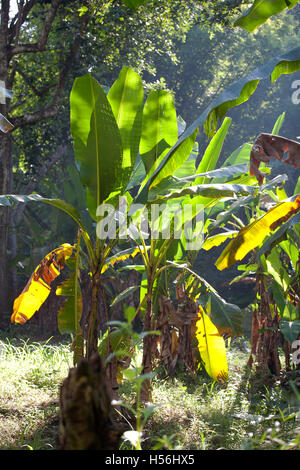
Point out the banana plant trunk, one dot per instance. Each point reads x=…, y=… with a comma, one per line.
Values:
x=148, y=346
x=92, y=328
x=265, y=337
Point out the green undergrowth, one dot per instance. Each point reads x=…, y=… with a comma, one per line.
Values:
x=251, y=411
x=30, y=376
x=191, y=411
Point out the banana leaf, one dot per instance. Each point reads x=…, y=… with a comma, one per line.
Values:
x=218, y=239
x=239, y=156
x=120, y=256
x=226, y=172
x=261, y=11
x=278, y=124
x=290, y=329
x=97, y=139
x=159, y=129
x=275, y=269
x=59, y=204
x=119, y=340
x=70, y=313
x=236, y=94
x=124, y=294
x=252, y=235
x=126, y=99
x=212, y=191
x=38, y=287
x=212, y=153
x=211, y=347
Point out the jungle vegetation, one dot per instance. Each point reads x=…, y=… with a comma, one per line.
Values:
x=109, y=111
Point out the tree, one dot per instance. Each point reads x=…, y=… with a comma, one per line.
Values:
x=11, y=48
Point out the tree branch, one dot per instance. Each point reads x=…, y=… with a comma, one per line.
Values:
x=41, y=44
x=18, y=20
x=52, y=109
x=28, y=81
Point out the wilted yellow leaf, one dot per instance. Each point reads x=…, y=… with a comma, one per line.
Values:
x=38, y=287
x=253, y=235
x=117, y=258
x=211, y=347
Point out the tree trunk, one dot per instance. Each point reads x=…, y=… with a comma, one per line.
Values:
x=5, y=188
x=85, y=409
x=5, y=164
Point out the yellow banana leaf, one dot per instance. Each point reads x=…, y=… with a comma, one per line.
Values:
x=253, y=235
x=211, y=347
x=38, y=287
x=119, y=257
x=218, y=239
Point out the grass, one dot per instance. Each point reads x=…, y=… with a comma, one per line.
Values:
x=30, y=377
x=193, y=412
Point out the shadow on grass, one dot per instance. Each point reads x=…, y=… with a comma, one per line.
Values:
x=209, y=416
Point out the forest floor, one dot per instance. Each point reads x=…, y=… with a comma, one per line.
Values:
x=191, y=412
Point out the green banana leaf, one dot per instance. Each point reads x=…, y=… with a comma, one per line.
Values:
x=97, y=140
x=212, y=191
x=226, y=172
x=124, y=294
x=239, y=156
x=159, y=129
x=119, y=341
x=189, y=166
x=275, y=269
x=290, y=329
x=70, y=313
x=232, y=174
x=212, y=153
x=236, y=94
x=181, y=154
x=126, y=99
x=261, y=11
x=278, y=124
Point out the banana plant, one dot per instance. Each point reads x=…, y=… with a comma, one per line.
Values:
x=106, y=132
x=270, y=236
x=185, y=186
x=277, y=261
x=118, y=116
x=112, y=148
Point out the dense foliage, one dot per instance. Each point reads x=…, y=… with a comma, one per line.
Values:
x=127, y=150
